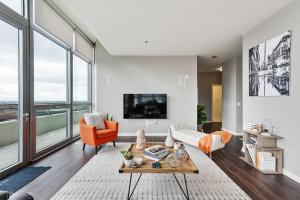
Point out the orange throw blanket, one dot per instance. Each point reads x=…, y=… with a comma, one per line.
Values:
x=205, y=142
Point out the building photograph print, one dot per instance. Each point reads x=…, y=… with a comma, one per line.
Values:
x=269, y=67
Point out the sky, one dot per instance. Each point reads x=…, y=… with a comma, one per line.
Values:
x=50, y=73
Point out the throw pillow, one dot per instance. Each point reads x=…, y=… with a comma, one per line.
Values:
x=95, y=119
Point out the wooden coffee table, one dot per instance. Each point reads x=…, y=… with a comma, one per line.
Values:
x=187, y=168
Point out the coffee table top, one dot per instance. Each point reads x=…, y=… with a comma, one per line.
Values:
x=146, y=167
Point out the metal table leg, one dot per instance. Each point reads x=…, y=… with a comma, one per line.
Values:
x=129, y=194
x=186, y=194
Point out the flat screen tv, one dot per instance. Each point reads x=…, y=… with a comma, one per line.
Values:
x=145, y=106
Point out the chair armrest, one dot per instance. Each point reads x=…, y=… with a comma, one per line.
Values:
x=111, y=125
x=88, y=133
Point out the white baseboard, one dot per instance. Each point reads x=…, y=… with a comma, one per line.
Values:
x=147, y=134
x=232, y=132
x=291, y=175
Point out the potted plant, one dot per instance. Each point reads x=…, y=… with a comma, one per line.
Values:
x=128, y=157
x=201, y=116
x=107, y=117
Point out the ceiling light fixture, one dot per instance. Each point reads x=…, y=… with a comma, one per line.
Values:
x=146, y=41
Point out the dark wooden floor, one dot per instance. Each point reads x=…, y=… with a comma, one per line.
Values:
x=253, y=182
x=66, y=162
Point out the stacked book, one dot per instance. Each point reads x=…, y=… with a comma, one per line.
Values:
x=265, y=161
x=156, y=152
x=252, y=140
x=251, y=150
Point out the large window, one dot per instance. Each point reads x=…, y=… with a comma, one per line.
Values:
x=45, y=80
x=81, y=70
x=81, y=90
x=16, y=5
x=10, y=99
x=50, y=92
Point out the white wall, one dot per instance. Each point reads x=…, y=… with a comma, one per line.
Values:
x=283, y=111
x=232, y=95
x=146, y=75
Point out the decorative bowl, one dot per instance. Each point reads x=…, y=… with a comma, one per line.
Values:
x=138, y=161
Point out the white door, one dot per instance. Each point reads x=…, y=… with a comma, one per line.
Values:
x=217, y=103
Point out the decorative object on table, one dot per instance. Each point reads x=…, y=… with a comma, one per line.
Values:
x=128, y=157
x=182, y=153
x=269, y=67
x=173, y=160
x=156, y=165
x=156, y=152
x=169, y=140
x=177, y=144
x=138, y=160
x=140, y=140
x=134, y=164
x=179, y=157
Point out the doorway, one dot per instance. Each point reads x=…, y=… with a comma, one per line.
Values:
x=216, y=103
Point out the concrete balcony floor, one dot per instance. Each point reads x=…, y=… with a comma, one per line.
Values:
x=9, y=154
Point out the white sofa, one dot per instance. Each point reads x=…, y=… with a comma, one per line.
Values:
x=192, y=137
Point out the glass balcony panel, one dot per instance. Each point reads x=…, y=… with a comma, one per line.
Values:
x=78, y=112
x=51, y=126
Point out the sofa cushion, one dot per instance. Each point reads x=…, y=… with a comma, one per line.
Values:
x=105, y=133
x=95, y=119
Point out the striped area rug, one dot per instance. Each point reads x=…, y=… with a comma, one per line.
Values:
x=99, y=179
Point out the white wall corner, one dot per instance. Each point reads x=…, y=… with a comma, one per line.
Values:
x=291, y=175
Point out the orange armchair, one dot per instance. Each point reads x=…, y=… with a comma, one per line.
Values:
x=89, y=135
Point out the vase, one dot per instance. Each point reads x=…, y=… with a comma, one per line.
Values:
x=169, y=140
x=128, y=162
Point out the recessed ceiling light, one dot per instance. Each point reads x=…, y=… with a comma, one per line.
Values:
x=214, y=57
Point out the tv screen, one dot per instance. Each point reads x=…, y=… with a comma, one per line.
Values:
x=145, y=106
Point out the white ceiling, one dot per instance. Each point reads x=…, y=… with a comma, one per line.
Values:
x=171, y=27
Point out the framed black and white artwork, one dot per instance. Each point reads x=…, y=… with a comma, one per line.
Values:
x=270, y=67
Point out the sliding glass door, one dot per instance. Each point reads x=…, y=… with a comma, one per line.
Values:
x=51, y=102
x=14, y=115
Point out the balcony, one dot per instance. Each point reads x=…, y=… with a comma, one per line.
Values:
x=51, y=129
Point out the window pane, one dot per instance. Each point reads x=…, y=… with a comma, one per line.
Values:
x=50, y=89
x=9, y=96
x=50, y=71
x=16, y=5
x=78, y=112
x=51, y=126
x=80, y=80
